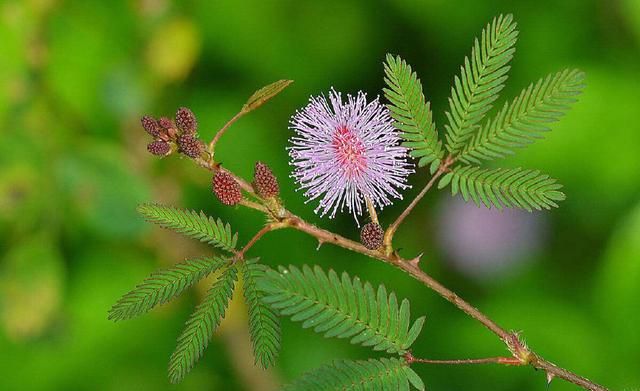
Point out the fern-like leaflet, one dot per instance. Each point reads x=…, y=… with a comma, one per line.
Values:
x=341, y=307
x=411, y=112
x=521, y=121
x=201, y=325
x=264, y=324
x=162, y=286
x=188, y=222
x=482, y=78
x=504, y=187
x=391, y=374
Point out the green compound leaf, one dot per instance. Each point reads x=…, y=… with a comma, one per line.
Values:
x=261, y=96
x=264, y=324
x=189, y=223
x=391, y=374
x=482, y=78
x=341, y=307
x=162, y=286
x=201, y=326
x=522, y=121
x=505, y=187
x=411, y=112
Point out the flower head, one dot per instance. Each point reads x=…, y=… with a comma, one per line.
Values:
x=345, y=151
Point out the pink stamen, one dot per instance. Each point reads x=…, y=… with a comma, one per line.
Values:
x=350, y=151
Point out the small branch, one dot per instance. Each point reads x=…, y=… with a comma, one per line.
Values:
x=470, y=361
x=554, y=371
x=214, y=141
x=372, y=210
x=253, y=205
x=258, y=236
x=388, y=235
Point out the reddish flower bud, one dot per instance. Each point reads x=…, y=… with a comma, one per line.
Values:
x=265, y=182
x=186, y=120
x=189, y=145
x=371, y=236
x=151, y=125
x=226, y=188
x=159, y=148
x=165, y=123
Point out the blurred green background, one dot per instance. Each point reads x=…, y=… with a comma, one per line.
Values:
x=75, y=76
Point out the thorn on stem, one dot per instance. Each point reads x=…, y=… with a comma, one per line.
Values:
x=550, y=377
x=416, y=261
x=320, y=243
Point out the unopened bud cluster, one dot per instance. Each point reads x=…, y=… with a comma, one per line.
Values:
x=170, y=135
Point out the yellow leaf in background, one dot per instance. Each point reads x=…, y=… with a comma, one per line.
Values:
x=174, y=49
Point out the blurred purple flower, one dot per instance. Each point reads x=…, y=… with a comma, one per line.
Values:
x=345, y=151
x=488, y=243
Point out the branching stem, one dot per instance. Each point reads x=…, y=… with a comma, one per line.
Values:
x=387, y=242
x=267, y=228
x=522, y=355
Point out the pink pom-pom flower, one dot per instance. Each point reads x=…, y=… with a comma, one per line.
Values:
x=343, y=152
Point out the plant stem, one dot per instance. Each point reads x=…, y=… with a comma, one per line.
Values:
x=519, y=350
x=469, y=361
x=214, y=141
x=387, y=242
x=372, y=210
x=511, y=340
x=258, y=236
x=253, y=205
x=212, y=166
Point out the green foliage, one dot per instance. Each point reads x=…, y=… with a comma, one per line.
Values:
x=201, y=326
x=521, y=121
x=482, y=78
x=261, y=96
x=411, y=112
x=508, y=187
x=381, y=374
x=162, y=286
x=341, y=307
x=517, y=124
x=187, y=222
x=264, y=324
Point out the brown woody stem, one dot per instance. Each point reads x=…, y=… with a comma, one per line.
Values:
x=469, y=361
x=522, y=355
